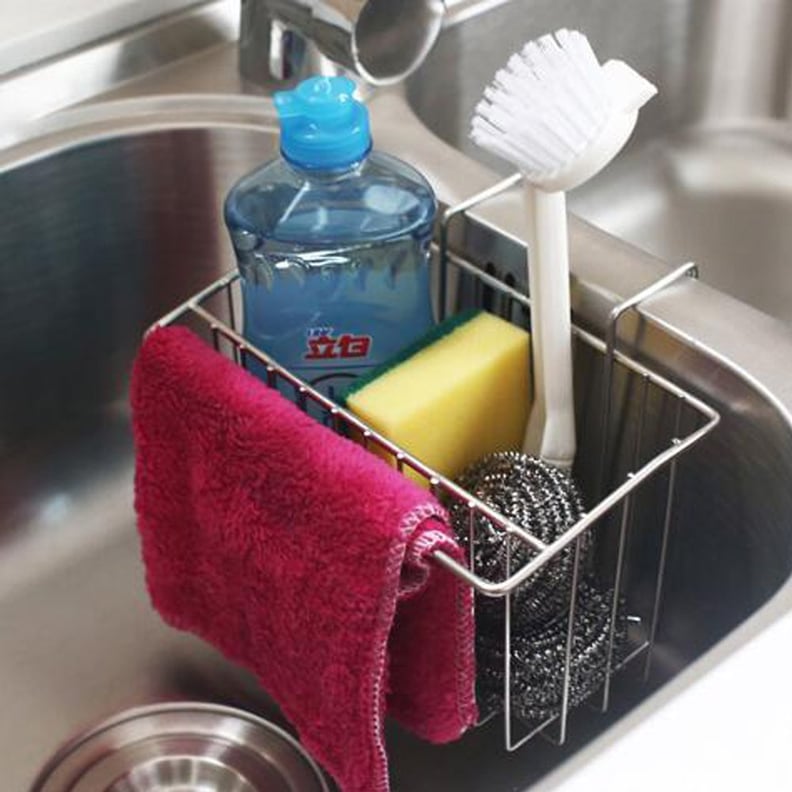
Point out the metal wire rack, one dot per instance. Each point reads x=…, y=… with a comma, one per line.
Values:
x=662, y=422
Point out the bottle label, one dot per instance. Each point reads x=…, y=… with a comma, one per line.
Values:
x=325, y=343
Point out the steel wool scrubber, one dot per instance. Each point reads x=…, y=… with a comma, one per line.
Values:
x=544, y=500
x=537, y=659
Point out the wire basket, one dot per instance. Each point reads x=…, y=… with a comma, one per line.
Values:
x=631, y=436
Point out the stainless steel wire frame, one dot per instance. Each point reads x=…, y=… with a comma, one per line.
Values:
x=623, y=494
x=226, y=337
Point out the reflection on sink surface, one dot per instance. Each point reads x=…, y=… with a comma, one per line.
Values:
x=722, y=199
x=102, y=230
x=97, y=241
x=708, y=176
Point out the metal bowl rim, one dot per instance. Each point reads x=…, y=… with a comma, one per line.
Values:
x=135, y=713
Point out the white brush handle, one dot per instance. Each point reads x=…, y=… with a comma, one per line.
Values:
x=550, y=434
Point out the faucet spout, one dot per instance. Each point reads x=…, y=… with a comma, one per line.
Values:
x=282, y=41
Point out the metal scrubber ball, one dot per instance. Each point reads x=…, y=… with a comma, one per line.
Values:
x=543, y=500
x=537, y=659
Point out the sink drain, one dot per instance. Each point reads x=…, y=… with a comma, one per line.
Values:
x=182, y=748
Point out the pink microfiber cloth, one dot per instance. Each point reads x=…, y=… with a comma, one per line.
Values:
x=299, y=555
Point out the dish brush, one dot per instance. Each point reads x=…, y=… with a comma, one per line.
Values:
x=560, y=117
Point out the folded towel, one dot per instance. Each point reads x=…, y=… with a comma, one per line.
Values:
x=299, y=555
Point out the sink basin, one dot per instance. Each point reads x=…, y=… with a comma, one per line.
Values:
x=110, y=216
x=707, y=174
x=108, y=222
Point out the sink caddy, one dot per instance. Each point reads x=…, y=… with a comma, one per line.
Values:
x=634, y=426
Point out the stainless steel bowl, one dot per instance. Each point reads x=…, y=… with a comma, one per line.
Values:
x=185, y=747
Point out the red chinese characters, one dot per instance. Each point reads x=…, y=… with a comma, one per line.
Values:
x=325, y=346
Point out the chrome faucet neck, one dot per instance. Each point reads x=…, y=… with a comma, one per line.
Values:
x=382, y=41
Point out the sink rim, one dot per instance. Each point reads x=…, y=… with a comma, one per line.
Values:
x=139, y=115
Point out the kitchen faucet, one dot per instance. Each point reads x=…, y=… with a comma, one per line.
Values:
x=282, y=41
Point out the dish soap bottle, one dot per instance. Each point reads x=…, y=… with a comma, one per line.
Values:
x=332, y=241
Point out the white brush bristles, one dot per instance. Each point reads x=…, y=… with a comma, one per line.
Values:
x=546, y=107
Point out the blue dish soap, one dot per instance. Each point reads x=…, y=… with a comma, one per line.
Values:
x=332, y=241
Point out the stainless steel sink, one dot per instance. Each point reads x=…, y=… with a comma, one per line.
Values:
x=109, y=216
x=708, y=175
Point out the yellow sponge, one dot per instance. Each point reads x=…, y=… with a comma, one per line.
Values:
x=459, y=394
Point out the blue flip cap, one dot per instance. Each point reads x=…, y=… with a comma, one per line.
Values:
x=322, y=125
